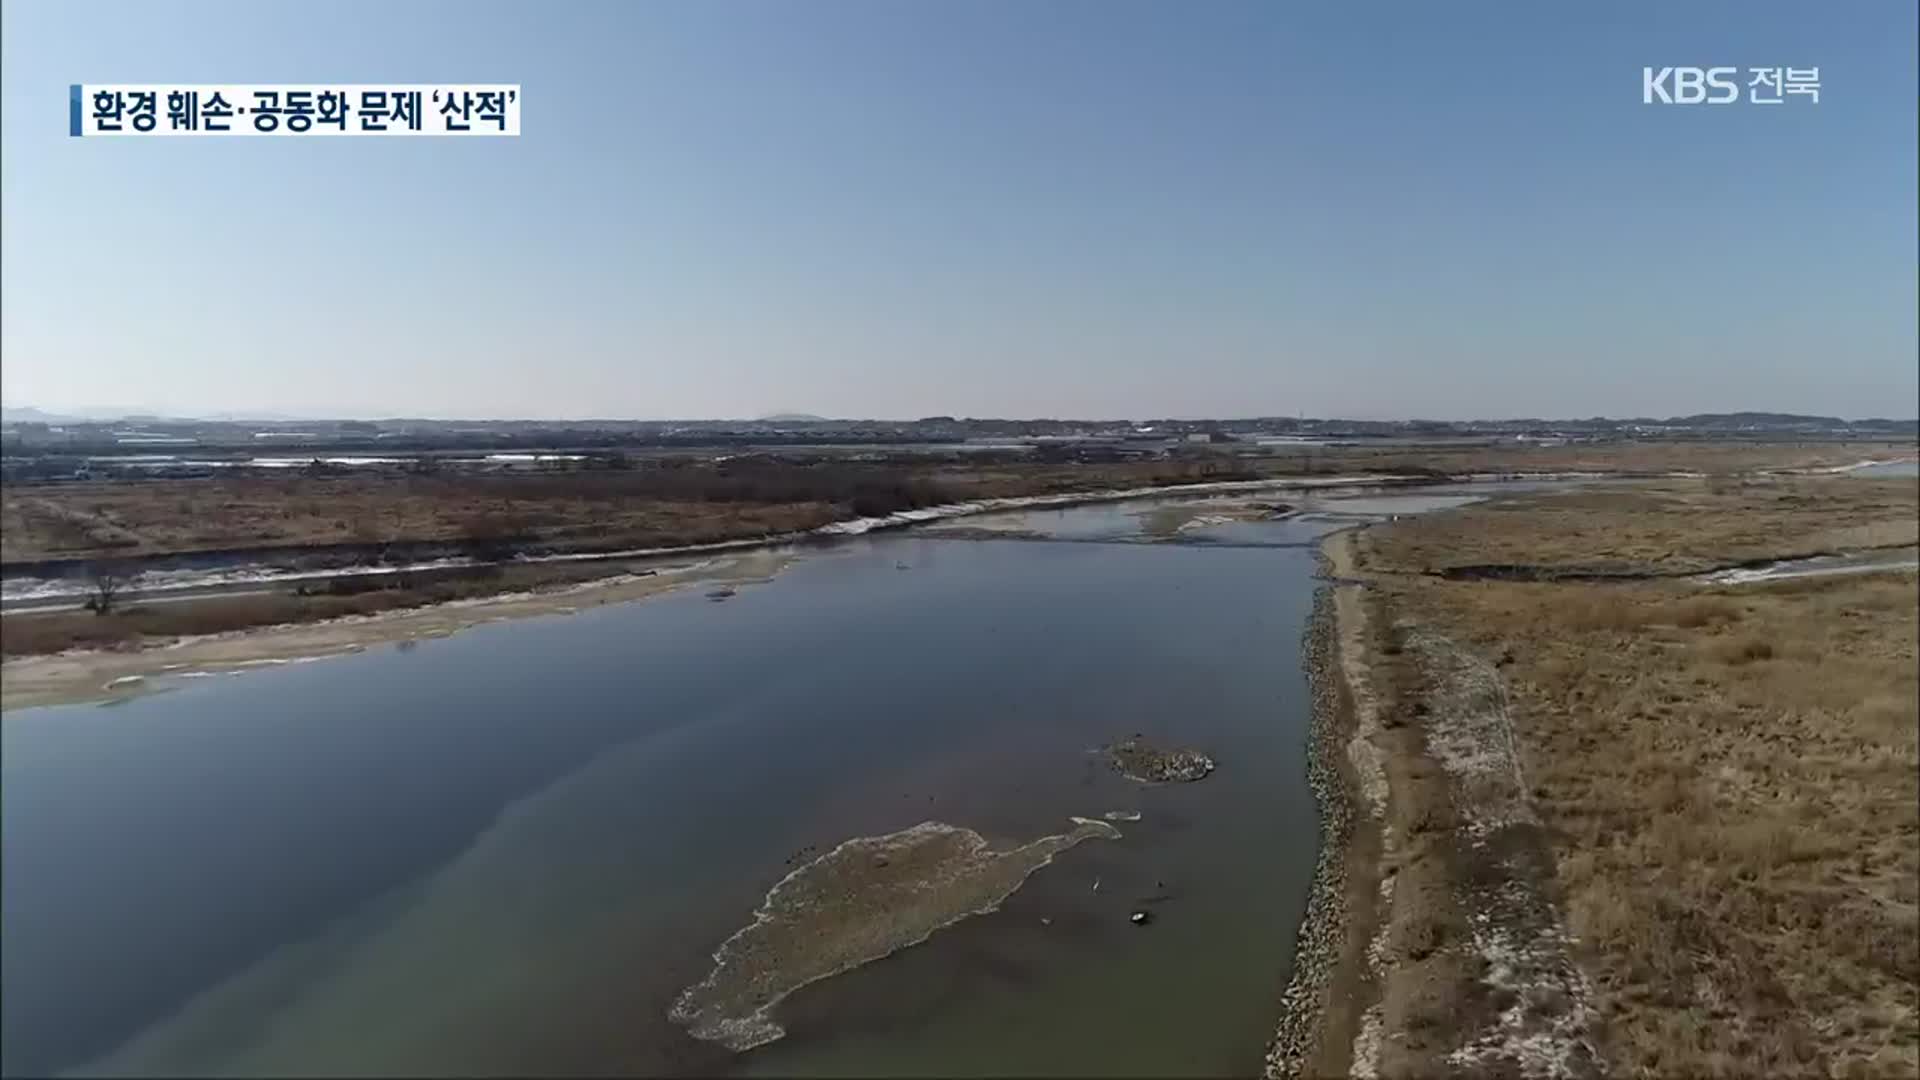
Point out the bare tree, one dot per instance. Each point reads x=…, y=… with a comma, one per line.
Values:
x=106, y=583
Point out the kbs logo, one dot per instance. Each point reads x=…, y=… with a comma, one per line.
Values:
x=1689, y=86
x=1721, y=86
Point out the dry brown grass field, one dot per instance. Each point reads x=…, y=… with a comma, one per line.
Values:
x=1718, y=457
x=1678, y=526
x=34, y=633
x=689, y=501
x=1727, y=778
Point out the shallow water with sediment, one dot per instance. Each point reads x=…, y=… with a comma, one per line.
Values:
x=863, y=901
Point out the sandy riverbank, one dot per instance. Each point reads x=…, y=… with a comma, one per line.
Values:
x=112, y=670
x=1649, y=823
x=109, y=675
x=1431, y=940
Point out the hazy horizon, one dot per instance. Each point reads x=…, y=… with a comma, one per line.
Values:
x=1077, y=209
x=99, y=415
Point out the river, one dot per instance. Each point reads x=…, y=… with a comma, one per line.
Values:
x=506, y=852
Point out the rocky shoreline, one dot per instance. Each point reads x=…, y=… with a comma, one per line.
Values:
x=1428, y=981
x=1323, y=929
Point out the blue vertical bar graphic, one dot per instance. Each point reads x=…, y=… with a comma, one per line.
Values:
x=73, y=110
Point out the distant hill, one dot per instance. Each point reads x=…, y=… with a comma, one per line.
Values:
x=1773, y=420
x=1745, y=424
x=1756, y=419
x=27, y=414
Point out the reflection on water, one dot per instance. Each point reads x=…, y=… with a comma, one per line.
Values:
x=508, y=851
x=1225, y=520
x=1391, y=505
x=1131, y=522
x=1100, y=521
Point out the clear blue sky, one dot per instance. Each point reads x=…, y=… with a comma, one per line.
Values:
x=900, y=208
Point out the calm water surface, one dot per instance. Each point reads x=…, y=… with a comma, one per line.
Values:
x=507, y=851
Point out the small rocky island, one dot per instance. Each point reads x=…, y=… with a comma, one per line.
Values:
x=1152, y=764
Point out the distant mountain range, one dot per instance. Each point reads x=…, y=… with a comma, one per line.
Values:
x=30, y=415
x=27, y=414
x=1734, y=421
x=1738, y=420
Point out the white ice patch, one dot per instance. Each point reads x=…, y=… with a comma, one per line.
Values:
x=1545, y=1031
x=1470, y=733
x=1820, y=566
x=1832, y=470
x=1516, y=929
